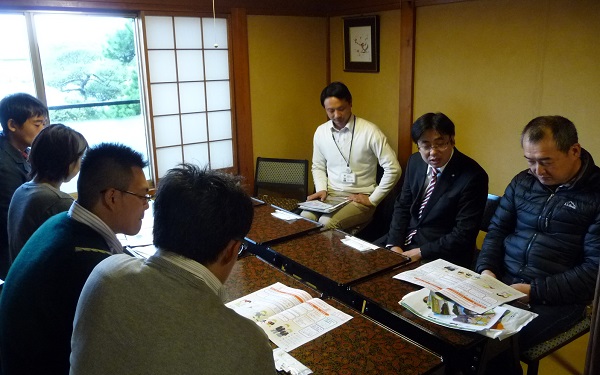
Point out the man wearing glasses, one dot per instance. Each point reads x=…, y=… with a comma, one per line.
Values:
x=170, y=305
x=439, y=209
x=40, y=294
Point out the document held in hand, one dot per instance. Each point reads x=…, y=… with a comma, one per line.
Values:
x=290, y=317
x=471, y=290
x=330, y=205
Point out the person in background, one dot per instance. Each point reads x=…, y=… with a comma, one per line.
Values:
x=55, y=157
x=22, y=117
x=438, y=219
x=39, y=297
x=346, y=151
x=165, y=314
x=544, y=238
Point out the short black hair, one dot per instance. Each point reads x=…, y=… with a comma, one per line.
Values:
x=198, y=211
x=105, y=166
x=19, y=107
x=432, y=121
x=53, y=150
x=562, y=130
x=338, y=90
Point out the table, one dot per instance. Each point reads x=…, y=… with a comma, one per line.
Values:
x=267, y=229
x=256, y=201
x=378, y=298
x=359, y=346
x=323, y=260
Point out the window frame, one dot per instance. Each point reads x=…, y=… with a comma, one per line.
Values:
x=235, y=168
x=236, y=24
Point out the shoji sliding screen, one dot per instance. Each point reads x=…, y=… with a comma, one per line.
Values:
x=189, y=90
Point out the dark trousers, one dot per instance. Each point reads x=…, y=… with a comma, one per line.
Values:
x=551, y=321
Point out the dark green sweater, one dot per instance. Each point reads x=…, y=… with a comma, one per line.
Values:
x=40, y=295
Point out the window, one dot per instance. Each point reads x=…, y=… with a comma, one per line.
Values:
x=188, y=64
x=86, y=67
x=15, y=60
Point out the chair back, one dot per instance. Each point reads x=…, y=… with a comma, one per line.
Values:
x=490, y=208
x=285, y=178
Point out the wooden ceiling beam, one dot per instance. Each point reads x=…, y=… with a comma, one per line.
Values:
x=310, y=8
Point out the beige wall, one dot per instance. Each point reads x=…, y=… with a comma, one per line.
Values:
x=374, y=95
x=287, y=73
x=492, y=66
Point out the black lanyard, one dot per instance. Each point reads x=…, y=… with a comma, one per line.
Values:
x=351, y=141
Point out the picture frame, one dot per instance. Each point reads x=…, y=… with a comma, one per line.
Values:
x=361, y=44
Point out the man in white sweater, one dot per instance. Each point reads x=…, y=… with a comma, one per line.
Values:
x=346, y=151
x=165, y=315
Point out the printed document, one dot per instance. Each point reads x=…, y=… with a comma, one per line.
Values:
x=500, y=322
x=290, y=317
x=330, y=205
x=478, y=293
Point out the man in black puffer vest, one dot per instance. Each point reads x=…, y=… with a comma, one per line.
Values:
x=544, y=238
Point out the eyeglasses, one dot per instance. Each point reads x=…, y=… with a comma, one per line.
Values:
x=438, y=147
x=146, y=197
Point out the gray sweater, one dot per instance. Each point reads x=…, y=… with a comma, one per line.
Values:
x=153, y=317
x=31, y=205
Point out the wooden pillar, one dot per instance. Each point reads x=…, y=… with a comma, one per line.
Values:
x=243, y=110
x=407, y=66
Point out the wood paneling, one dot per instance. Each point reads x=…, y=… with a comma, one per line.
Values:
x=407, y=62
x=242, y=107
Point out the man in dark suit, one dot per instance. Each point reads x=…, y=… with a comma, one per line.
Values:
x=440, y=218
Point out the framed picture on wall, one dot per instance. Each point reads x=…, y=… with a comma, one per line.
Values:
x=361, y=44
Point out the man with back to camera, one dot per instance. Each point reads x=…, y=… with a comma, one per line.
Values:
x=438, y=219
x=166, y=314
x=346, y=150
x=544, y=238
x=40, y=295
x=22, y=117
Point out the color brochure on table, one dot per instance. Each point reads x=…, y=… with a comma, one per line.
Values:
x=290, y=317
x=478, y=293
x=459, y=298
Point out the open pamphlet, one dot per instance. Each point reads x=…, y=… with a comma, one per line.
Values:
x=290, y=317
x=331, y=204
x=499, y=322
x=475, y=292
x=457, y=297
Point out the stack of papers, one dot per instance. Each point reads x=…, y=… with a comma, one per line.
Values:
x=284, y=215
x=500, y=322
x=478, y=293
x=288, y=364
x=330, y=205
x=424, y=303
x=457, y=297
x=358, y=244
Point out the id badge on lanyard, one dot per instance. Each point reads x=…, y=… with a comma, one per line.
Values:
x=348, y=177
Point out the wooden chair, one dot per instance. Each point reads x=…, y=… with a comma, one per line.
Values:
x=281, y=182
x=490, y=208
